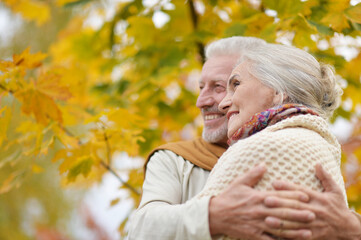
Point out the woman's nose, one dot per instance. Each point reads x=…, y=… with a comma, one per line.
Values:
x=225, y=104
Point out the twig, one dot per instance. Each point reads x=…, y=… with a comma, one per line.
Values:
x=6, y=90
x=106, y=165
x=130, y=187
x=194, y=18
x=107, y=145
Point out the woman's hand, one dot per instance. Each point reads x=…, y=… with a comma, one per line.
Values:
x=333, y=219
x=239, y=211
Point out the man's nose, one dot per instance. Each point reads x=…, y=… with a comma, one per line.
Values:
x=205, y=99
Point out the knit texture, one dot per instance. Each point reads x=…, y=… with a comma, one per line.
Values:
x=289, y=149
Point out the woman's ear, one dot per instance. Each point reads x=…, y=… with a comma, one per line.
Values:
x=280, y=98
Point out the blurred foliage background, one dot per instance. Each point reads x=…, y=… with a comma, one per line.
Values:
x=82, y=81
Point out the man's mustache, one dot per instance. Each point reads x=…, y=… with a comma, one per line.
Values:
x=213, y=109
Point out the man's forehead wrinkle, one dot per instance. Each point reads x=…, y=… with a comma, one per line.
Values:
x=216, y=80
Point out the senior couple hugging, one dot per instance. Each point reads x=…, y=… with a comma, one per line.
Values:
x=267, y=166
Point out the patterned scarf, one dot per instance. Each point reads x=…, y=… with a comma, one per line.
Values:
x=261, y=120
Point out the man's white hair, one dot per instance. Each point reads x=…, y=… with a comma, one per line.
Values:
x=232, y=46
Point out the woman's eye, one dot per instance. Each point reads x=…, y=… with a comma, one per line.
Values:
x=235, y=83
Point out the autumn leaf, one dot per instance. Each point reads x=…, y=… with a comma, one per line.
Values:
x=30, y=9
x=337, y=21
x=12, y=181
x=354, y=13
x=82, y=166
x=28, y=60
x=285, y=8
x=114, y=202
x=50, y=84
x=37, y=169
x=5, y=65
x=40, y=105
x=5, y=118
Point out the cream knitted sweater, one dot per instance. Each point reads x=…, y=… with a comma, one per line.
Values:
x=290, y=149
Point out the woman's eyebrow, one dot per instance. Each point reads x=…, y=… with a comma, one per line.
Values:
x=231, y=79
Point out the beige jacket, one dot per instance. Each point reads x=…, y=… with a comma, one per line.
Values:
x=167, y=210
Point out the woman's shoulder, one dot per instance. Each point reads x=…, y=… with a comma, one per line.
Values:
x=290, y=132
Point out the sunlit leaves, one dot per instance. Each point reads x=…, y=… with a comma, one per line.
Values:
x=14, y=180
x=354, y=13
x=40, y=105
x=124, y=85
x=5, y=118
x=81, y=166
x=284, y=8
x=35, y=10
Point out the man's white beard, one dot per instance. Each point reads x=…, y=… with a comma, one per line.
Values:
x=215, y=136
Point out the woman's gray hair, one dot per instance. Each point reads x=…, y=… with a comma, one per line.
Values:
x=297, y=75
x=232, y=46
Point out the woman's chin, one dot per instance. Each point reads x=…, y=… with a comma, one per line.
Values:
x=230, y=134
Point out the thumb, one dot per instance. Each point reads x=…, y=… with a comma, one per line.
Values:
x=326, y=180
x=253, y=176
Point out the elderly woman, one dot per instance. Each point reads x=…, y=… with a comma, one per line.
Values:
x=278, y=101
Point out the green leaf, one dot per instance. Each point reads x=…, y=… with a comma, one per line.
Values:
x=354, y=13
x=76, y=3
x=236, y=29
x=322, y=28
x=284, y=8
x=122, y=86
x=83, y=166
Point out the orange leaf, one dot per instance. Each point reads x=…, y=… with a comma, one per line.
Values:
x=31, y=10
x=114, y=202
x=28, y=60
x=42, y=106
x=354, y=13
x=49, y=84
x=12, y=181
x=5, y=65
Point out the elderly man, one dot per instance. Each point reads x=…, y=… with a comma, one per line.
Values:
x=176, y=172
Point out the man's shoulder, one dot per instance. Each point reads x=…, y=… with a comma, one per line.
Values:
x=174, y=147
x=197, y=151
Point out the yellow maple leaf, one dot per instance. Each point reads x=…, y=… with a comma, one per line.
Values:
x=352, y=70
x=37, y=169
x=28, y=60
x=336, y=20
x=354, y=13
x=32, y=10
x=64, y=2
x=49, y=83
x=13, y=180
x=5, y=117
x=5, y=65
x=353, y=192
x=114, y=201
x=40, y=105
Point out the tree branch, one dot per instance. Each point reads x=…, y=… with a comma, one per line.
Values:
x=6, y=90
x=130, y=187
x=107, y=165
x=194, y=18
